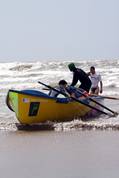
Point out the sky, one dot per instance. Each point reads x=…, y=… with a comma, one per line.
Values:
x=59, y=29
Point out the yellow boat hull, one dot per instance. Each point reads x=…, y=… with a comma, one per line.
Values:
x=33, y=108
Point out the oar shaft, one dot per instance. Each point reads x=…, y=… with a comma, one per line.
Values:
x=97, y=102
x=48, y=86
x=92, y=107
x=79, y=101
x=109, y=97
x=106, y=97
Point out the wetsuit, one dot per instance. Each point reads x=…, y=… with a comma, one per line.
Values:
x=85, y=81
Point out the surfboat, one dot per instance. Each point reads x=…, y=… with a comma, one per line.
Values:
x=33, y=106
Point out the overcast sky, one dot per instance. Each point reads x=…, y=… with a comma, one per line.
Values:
x=59, y=29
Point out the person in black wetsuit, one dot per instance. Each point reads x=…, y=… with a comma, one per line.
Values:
x=80, y=75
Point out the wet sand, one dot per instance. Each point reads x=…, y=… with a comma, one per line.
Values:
x=59, y=154
x=91, y=152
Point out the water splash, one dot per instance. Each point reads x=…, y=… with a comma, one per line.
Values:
x=104, y=123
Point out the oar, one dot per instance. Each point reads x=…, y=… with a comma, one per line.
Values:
x=107, y=97
x=79, y=101
x=115, y=113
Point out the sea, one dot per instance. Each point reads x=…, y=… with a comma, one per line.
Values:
x=76, y=149
x=25, y=75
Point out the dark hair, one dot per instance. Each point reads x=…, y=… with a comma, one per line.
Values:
x=62, y=82
x=92, y=67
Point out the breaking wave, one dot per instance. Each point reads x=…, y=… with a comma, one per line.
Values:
x=22, y=75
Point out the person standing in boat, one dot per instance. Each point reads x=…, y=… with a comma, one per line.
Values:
x=80, y=75
x=95, y=79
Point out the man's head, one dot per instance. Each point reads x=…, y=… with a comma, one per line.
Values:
x=62, y=83
x=72, y=67
x=92, y=69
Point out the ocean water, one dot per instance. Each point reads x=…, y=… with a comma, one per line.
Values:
x=76, y=149
x=25, y=75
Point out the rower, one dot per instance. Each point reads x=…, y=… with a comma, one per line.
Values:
x=61, y=88
x=70, y=91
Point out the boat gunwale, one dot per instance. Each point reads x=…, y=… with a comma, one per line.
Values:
x=31, y=94
x=45, y=95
